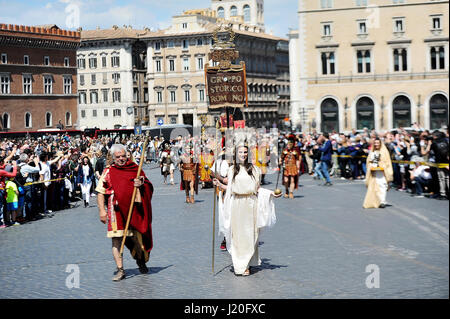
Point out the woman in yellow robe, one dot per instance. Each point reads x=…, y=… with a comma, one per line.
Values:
x=380, y=174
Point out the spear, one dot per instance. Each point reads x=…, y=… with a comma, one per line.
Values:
x=133, y=197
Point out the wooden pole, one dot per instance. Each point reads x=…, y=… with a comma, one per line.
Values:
x=133, y=197
x=215, y=195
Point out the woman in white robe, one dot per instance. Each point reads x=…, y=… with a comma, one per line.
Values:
x=247, y=208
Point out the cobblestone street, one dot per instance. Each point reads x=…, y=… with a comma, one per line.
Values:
x=319, y=248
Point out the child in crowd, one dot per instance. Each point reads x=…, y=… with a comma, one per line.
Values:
x=12, y=202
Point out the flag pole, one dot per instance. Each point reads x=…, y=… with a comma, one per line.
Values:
x=215, y=195
x=133, y=197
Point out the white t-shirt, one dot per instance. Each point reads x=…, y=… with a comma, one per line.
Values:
x=45, y=170
x=421, y=172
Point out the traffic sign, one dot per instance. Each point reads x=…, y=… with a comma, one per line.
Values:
x=160, y=121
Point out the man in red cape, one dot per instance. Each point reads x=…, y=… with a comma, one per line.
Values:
x=115, y=189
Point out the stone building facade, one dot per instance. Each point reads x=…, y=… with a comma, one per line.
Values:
x=38, y=77
x=378, y=64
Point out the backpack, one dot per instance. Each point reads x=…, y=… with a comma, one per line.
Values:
x=441, y=150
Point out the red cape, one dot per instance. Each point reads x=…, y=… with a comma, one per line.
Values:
x=122, y=182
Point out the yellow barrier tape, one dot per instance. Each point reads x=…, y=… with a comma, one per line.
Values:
x=41, y=182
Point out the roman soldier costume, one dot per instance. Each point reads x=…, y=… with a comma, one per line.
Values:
x=189, y=174
x=289, y=158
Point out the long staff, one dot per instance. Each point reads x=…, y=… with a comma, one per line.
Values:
x=133, y=197
x=215, y=195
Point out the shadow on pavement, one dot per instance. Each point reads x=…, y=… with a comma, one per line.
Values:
x=266, y=265
x=151, y=270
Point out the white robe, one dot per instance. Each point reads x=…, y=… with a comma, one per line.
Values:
x=247, y=209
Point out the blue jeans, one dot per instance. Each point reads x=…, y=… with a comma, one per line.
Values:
x=324, y=165
x=420, y=184
x=318, y=171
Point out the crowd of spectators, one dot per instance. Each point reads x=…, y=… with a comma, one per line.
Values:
x=420, y=158
x=39, y=176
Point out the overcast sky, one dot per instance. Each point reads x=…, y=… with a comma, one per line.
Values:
x=279, y=15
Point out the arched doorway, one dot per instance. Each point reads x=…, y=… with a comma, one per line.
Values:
x=438, y=111
x=401, y=108
x=329, y=110
x=365, y=115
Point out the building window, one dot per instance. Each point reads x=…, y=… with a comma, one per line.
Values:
x=48, y=85
x=105, y=78
x=158, y=65
x=247, y=14
x=115, y=61
x=27, y=84
x=400, y=60
x=67, y=85
x=105, y=95
x=46, y=60
x=184, y=25
x=399, y=25
x=26, y=60
x=199, y=41
x=361, y=3
x=171, y=65
x=401, y=107
x=116, y=96
x=117, y=113
x=220, y=12
x=93, y=79
x=437, y=55
x=364, y=61
x=48, y=119
x=436, y=23
x=81, y=79
x=94, y=97
x=328, y=63
x=326, y=4
x=159, y=97
x=4, y=58
x=92, y=63
x=66, y=62
x=103, y=62
x=362, y=27
x=438, y=111
x=157, y=46
x=28, y=120
x=398, y=1
x=145, y=95
x=83, y=113
x=94, y=113
x=201, y=95
x=187, y=96
x=200, y=64
x=365, y=114
x=170, y=44
x=116, y=77
x=172, y=97
x=105, y=112
x=233, y=11
x=185, y=44
x=68, y=119
x=173, y=120
x=186, y=64
x=329, y=115
x=81, y=62
x=326, y=29
x=82, y=98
